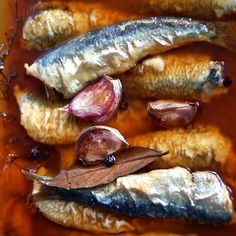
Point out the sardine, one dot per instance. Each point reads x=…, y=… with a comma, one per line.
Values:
x=173, y=193
x=200, y=9
x=116, y=49
x=195, y=147
x=53, y=26
x=44, y=122
x=78, y=216
x=177, y=74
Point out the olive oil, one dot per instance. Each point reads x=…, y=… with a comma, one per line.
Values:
x=18, y=215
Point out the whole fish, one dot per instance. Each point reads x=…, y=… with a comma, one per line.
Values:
x=78, y=216
x=44, y=122
x=171, y=193
x=179, y=74
x=116, y=49
x=195, y=147
x=200, y=9
x=50, y=27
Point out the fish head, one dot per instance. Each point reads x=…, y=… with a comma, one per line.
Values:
x=217, y=83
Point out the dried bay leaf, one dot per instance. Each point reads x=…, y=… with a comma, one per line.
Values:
x=127, y=161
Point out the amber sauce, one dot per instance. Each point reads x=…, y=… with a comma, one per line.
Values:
x=17, y=214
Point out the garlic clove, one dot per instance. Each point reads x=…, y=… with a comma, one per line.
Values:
x=98, y=101
x=117, y=86
x=171, y=113
x=97, y=142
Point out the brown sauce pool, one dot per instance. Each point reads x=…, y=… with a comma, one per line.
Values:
x=17, y=214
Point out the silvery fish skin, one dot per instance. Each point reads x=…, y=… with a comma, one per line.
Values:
x=115, y=49
x=44, y=122
x=180, y=74
x=78, y=216
x=195, y=147
x=172, y=193
x=50, y=27
x=213, y=9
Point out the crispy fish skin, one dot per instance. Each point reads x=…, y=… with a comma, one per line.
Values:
x=213, y=9
x=178, y=74
x=171, y=193
x=198, y=147
x=44, y=122
x=75, y=215
x=116, y=49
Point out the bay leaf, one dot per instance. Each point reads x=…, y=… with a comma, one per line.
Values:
x=127, y=161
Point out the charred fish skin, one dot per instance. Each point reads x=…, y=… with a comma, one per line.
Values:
x=178, y=74
x=44, y=122
x=196, y=147
x=114, y=49
x=172, y=193
x=213, y=9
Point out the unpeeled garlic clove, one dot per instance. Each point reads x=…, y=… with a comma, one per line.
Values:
x=171, y=113
x=97, y=142
x=98, y=101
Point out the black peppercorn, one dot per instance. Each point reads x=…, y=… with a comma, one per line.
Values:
x=124, y=105
x=34, y=153
x=38, y=152
x=13, y=74
x=227, y=81
x=110, y=160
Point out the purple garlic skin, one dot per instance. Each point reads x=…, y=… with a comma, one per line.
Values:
x=97, y=142
x=171, y=113
x=97, y=102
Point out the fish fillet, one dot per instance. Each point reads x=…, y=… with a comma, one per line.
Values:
x=199, y=9
x=50, y=27
x=44, y=122
x=78, y=216
x=173, y=193
x=179, y=74
x=195, y=147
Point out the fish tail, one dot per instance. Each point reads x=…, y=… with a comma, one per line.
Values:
x=33, y=176
x=41, y=191
x=226, y=35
